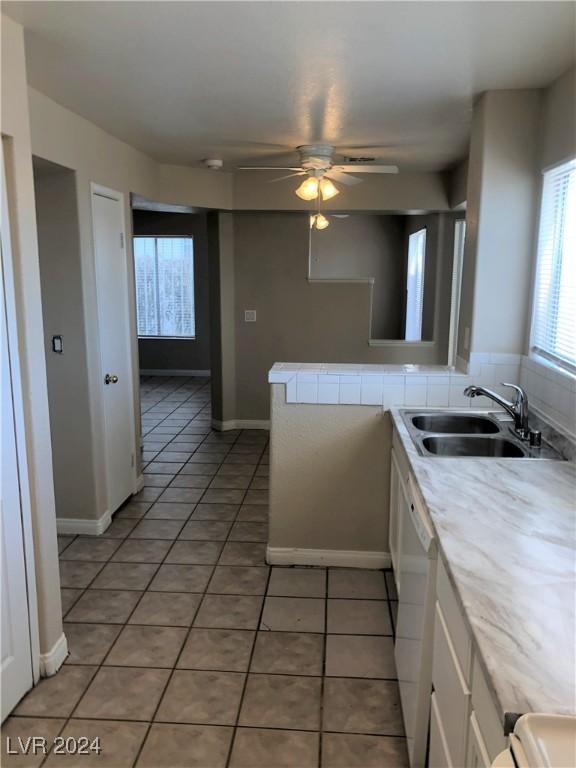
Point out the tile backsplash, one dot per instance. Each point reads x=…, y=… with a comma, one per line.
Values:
x=395, y=385
x=552, y=392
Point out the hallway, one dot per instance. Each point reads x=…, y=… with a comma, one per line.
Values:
x=186, y=649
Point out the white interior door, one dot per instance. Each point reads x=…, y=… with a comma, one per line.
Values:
x=16, y=670
x=415, y=285
x=114, y=331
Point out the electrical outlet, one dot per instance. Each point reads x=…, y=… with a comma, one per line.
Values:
x=249, y=315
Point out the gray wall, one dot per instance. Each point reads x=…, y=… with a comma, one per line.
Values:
x=180, y=354
x=559, y=130
x=366, y=246
x=297, y=320
x=63, y=314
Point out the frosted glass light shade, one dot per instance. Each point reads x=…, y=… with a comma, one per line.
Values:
x=308, y=190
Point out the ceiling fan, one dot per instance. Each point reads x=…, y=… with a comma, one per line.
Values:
x=317, y=163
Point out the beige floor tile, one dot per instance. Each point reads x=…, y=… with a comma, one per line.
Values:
x=268, y=748
x=134, y=510
x=342, y=750
x=164, y=468
x=104, y=606
x=125, y=576
x=293, y=614
x=255, y=513
x=182, y=495
x=288, y=653
x=120, y=742
x=191, y=481
x=226, y=650
x=186, y=746
x=391, y=586
x=230, y=482
x=259, y=484
x=166, y=609
x=223, y=496
x=229, y=612
x=297, y=582
x=163, y=509
x=221, y=512
x=360, y=656
x=63, y=542
x=245, y=470
x=199, y=468
x=239, y=580
x=281, y=701
x=352, y=583
x=147, y=494
x=181, y=578
x=142, y=551
x=243, y=553
x=90, y=548
x=69, y=597
x=243, y=531
x=56, y=696
x=25, y=728
x=89, y=643
x=156, y=480
x=205, y=530
x=118, y=693
x=157, y=529
x=119, y=528
x=257, y=497
x=149, y=646
x=195, y=552
x=78, y=574
x=362, y=706
x=212, y=698
x=359, y=617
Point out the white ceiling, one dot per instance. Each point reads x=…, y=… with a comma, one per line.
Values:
x=242, y=80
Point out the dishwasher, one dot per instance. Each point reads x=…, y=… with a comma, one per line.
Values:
x=417, y=559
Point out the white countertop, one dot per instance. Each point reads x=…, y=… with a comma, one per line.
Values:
x=507, y=531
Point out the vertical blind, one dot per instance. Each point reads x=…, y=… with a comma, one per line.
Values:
x=415, y=285
x=164, y=268
x=554, y=319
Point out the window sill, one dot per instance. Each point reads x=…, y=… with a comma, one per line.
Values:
x=552, y=370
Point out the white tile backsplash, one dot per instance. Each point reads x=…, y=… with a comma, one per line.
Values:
x=409, y=385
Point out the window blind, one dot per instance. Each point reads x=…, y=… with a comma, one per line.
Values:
x=164, y=269
x=554, y=316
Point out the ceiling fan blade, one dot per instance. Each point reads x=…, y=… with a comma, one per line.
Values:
x=289, y=176
x=267, y=168
x=366, y=168
x=342, y=178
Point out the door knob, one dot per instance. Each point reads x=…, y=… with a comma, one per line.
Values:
x=110, y=379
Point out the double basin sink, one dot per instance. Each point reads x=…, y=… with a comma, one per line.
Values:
x=466, y=435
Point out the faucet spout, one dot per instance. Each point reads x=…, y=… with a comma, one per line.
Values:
x=518, y=409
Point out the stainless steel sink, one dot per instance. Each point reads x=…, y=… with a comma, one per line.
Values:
x=472, y=435
x=469, y=445
x=455, y=423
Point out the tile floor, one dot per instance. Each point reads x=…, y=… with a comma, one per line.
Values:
x=186, y=650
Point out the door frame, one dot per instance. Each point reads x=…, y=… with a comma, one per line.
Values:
x=19, y=420
x=112, y=194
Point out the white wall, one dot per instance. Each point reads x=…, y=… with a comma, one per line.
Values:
x=18, y=157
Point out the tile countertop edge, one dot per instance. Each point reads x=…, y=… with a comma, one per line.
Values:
x=524, y=669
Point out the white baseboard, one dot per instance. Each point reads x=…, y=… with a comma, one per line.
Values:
x=78, y=525
x=339, y=558
x=139, y=483
x=173, y=372
x=224, y=426
x=51, y=662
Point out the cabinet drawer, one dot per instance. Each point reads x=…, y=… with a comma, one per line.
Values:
x=438, y=756
x=476, y=754
x=489, y=721
x=452, y=694
x=459, y=633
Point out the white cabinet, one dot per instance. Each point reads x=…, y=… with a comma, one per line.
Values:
x=399, y=506
x=477, y=754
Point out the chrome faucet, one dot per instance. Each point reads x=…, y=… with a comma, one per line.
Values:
x=517, y=409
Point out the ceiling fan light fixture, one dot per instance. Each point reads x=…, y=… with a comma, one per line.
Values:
x=327, y=189
x=319, y=221
x=308, y=190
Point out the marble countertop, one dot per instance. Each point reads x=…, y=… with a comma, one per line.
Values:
x=507, y=531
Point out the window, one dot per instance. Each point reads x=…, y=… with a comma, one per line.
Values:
x=554, y=316
x=164, y=268
x=415, y=285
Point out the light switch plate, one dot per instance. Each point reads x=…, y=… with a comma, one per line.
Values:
x=249, y=315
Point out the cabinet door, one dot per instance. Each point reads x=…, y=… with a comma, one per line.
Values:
x=477, y=755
